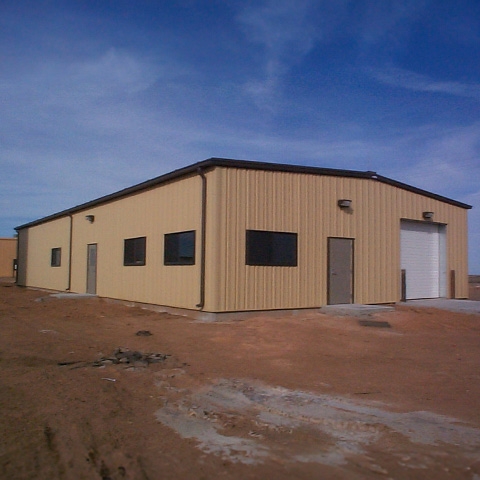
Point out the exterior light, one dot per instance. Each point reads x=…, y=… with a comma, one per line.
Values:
x=427, y=215
x=90, y=218
x=344, y=203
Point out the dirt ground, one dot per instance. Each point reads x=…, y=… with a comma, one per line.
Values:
x=310, y=396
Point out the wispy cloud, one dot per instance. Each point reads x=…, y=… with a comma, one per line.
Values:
x=84, y=122
x=398, y=77
x=285, y=33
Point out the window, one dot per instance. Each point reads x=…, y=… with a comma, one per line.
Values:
x=180, y=248
x=134, y=251
x=56, y=257
x=274, y=249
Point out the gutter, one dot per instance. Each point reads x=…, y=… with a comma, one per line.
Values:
x=203, y=234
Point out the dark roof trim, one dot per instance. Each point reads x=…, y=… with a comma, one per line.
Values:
x=245, y=164
x=425, y=193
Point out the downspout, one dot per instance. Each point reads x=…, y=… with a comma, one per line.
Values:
x=203, y=235
x=70, y=255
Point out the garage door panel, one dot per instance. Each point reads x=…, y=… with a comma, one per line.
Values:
x=421, y=258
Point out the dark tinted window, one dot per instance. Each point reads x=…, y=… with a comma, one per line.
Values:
x=180, y=248
x=56, y=257
x=134, y=251
x=271, y=248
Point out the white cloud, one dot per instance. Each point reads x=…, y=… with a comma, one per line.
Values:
x=448, y=160
x=285, y=32
x=72, y=131
x=397, y=77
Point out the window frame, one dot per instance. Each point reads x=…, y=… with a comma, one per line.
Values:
x=56, y=257
x=167, y=237
x=275, y=259
x=135, y=263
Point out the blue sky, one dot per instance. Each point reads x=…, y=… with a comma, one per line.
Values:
x=99, y=95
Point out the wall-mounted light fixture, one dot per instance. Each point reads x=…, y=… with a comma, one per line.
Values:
x=90, y=218
x=344, y=203
x=427, y=215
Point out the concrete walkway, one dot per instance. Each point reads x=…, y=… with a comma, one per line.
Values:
x=462, y=306
x=72, y=295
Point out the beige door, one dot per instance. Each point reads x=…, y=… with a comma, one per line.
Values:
x=340, y=271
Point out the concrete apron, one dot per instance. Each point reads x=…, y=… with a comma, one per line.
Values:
x=73, y=295
x=354, y=310
x=461, y=306
x=345, y=310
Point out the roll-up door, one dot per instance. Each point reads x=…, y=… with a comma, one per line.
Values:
x=423, y=257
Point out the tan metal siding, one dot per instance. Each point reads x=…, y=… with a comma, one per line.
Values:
x=8, y=253
x=168, y=208
x=307, y=204
x=41, y=240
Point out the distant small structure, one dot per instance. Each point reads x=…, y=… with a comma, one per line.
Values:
x=8, y=254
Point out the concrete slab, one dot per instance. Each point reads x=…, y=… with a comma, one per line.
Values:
x=354, y=309
x=72, y=295
x=462, y=306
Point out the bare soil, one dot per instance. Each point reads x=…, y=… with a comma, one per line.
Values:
x=309, y=396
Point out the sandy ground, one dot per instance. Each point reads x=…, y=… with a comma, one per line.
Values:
x=310, y=396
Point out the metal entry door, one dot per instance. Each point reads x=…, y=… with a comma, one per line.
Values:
x=92, y=268
x=340, y=271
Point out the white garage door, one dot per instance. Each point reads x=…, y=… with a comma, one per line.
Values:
x=423, y=257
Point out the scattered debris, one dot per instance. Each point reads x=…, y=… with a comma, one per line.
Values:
x=126, y=356
x=144, y=333
x=374, y=323
x=48, y=331
x=121, y=355
x=109, y=379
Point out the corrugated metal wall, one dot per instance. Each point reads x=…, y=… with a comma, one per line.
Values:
x=307, y=204
x=8, y=252
x=240, y=199
x=41, y=240
x=172, y=207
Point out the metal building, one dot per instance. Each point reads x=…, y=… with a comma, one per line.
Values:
x=8, y=254
x=227, y=235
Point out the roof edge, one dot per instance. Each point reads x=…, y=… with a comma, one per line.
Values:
x=244, y=164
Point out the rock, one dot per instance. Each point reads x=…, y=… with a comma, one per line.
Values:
x=135, y=356
x=156, y=357
x=144, y=333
